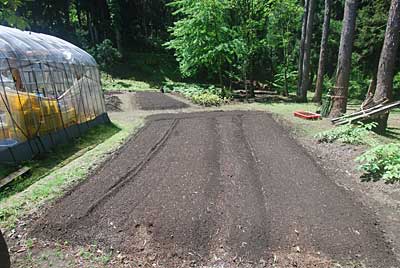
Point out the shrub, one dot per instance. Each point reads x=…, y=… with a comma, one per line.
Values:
x=207, y=95
x=207, y=99
x=350, y=134
x=106, y=55
x=382, y=161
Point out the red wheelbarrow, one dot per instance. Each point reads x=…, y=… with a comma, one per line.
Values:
x=307, y=115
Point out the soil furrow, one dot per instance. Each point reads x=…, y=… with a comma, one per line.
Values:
x=135, y=170
x=223, y=189
x=306, y=208
x=243, y=224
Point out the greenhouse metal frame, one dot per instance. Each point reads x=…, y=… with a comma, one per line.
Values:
x=50, y=92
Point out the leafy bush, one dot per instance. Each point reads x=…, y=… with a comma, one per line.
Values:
x=382, y=161
x=106, y=55
x=280, y=82
x=359, y=82
x=208, y=95
x=207, y=99
x=349, y=134
x=396, y=86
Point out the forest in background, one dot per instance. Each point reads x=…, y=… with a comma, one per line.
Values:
x=276, y=42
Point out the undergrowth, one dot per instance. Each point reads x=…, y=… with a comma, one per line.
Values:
x=382, y=161
x=207, y=95
x=207, y=99
x=379, y=162
x=349, y=134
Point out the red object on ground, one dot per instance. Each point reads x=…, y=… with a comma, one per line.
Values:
x=307, y=115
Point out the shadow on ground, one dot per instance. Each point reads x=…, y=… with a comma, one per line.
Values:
x=43, y=164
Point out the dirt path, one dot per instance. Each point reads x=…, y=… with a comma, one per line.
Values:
x=223, y=189
x=149, y=100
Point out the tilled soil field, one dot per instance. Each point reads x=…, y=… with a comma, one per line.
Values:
x=218, y=189
x=157, y=101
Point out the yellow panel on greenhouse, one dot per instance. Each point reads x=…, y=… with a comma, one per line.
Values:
x=35, y=115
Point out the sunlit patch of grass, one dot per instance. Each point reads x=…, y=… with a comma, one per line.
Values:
x=111, y=84
x=285, y=111
x=141, y=71
x=62, y=154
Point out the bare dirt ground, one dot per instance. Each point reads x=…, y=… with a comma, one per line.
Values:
x=157, y=101
x=217, y=189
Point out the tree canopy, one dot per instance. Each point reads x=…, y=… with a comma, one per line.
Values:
x=221, y=41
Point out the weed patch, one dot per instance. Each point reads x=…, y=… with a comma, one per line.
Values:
x=349, y=134
x=207, y=95
x=382, y=161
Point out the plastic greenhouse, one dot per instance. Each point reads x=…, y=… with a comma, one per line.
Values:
x=50, y=92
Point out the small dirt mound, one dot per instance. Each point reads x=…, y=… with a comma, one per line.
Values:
x=157, y=101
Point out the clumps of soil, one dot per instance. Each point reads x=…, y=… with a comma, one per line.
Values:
x=113, y=103
x=158, y=101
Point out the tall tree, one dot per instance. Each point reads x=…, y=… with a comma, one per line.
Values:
x=341, y=89
x=305, y=81
x=282, y=41
x=302, y=42
x=323, y=52
x=114, y=7
x=387, y=60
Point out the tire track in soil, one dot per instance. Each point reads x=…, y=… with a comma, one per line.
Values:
x=243, y=226
x=309, y=210
x=177, y=209
x=222, y=188
x=66, y=213
x=135, y=170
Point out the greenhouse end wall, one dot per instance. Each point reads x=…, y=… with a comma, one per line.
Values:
x=50, y=92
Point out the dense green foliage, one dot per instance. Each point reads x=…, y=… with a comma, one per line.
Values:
x=235, y=39
x=207, y=95
x=106, y=55
x=350, y=134
x=207, y=99
x=215, y=41
x=8, y=13
x=382, y=161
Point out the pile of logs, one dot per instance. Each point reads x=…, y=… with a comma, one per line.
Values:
x=365, y=114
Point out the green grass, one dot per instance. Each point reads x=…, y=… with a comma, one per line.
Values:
x=115, y=84
x=283, y=111
x=141, y=71
x=52, y=175
x=48, y=162
x=303, y=127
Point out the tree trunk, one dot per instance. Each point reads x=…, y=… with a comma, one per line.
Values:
x=307, y=53
x=341, y=89
x=372, y=86
x=369, y=99
x=118, y=39
x=301, y=52
x=322, y=54
x=384, y=86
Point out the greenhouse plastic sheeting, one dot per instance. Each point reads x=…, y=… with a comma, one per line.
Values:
x=50, y=91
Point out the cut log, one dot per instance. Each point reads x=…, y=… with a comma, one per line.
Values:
x=356, y=113
x=13, y=176
x=364, y=114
